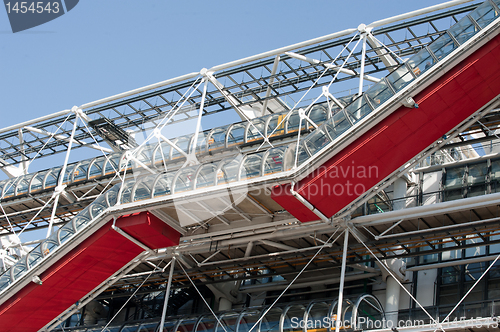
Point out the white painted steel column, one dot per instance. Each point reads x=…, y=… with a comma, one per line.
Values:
x=392, y=293
x=167, y=293
x=399, y=194
x=59, y=188
x=341, y=285
x=363, y=55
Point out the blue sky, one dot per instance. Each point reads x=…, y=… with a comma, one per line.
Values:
x=101, y=48
x=105, y=47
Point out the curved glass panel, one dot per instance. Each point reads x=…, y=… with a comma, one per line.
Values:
x=318, y=316
x=379, y=93
x=50, y=180
x=80, y=171
x=367, y=311
x=161, y=153
x=292, y=125
x=337, y=125
x=184, y=179
x=169, y=326
x=183, y=144
x=127, y=191
x=82, y=218
x=10, y=188
x=50, y=244
x=187, y=325
x=252, y=166
x=317, y=140
x=22, y=186
x=112, y=194
x=276, y=125
x=206, y=324
x=96, y=167
x=163, y=184
x=236, y=134
x=346, y=314
x=229, y=321
x=143, y=189
x=66, y=231
x=248, y=320
x=228, y=170
x=5, y=280
x=201, y=145
x=463, y=30
x=217, y=138
x=294, y=313
x=111, y=164
x=271, y=321
x=358, y=109
x=274, y=161
x=256, y=129
x=18, y=270
x=34, y=257
x=484, y=14
x=400, y=77
x=318, y=114
x=68, y=175
x=149, y=327
x=420, y=62
x=289, y=159
x=37, y=182
x=206, y=176
x=442, y=46
x=145, y=156
x=98, y=206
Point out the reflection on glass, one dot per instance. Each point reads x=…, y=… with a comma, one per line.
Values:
x=484, y=14
x=421, y=61
x=271, y=321
x=442, y=46
x=463, y=30
x=294, y=313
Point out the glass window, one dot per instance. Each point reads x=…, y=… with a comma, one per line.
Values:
x=82, y=218
x=484, y=14
x=292, y=125
x=358, y=109
x=317, y=140
x=477, y=173
x=399, y=78
x=22, y=185
x=167, y=327
x=318, y=316
x=127, y=191
x=66, y=231
x=80, y=172
x=379, y=93
x=187, y=325
x=229, y=321
x=111, y=164
x=206, y=324
x=228, y=170
x=474, y=251
x=236, y=134
x=274, y=161
x=143, y=190
x=145, y=156
x=184, y=179
x=452, y=254
x=251, y=166
x=294, y=313
x=318, y=114
x=34, y=257
x=4, y=280
x=256, y=129
x=162, y=153
x=271, y=321
x=201, y=144
x=10, y=188
x=463, y=30
x=247, y=320
x=50, y=244
x=98, y=206
x=421, y=61
x=37, y=182
x=183, y=144
x=454, y=177
x=112, y=194
x=163, y=184
x=18, y=270
x=217, y=138
x=337, y=125
x=290, y=152
x=206, y=176
x=96, y=167
x=442, y=46
x=276, y=125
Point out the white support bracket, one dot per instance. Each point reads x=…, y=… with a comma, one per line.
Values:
x=131, y=239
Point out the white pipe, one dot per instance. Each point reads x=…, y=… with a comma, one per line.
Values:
x=392, y=294
x=167, y=293
x=139, y=90
x=415, y=13
x=362, y=70
x=308, y=205
x=35, y=121
x=340, y=300
x=452, y=263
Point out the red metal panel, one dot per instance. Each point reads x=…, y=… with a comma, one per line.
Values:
x=80, y=271
x=399, y=137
